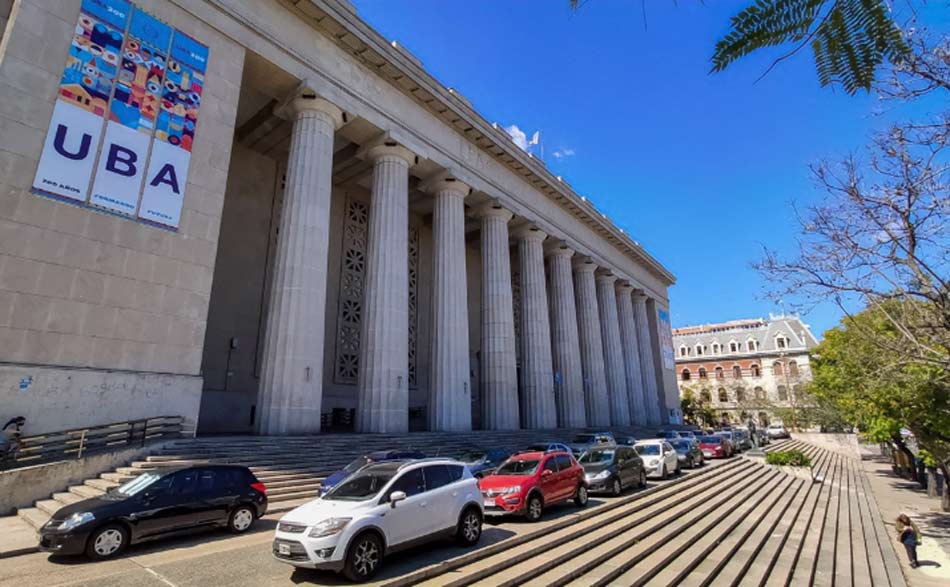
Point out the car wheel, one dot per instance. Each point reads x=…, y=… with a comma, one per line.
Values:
x=616, y=488
x=107, y=542
x=663, y=471
x=643, y=479
x=580, y=496
x=534, y=508
x=470, y=527
x=241, y=520
x=364, y=557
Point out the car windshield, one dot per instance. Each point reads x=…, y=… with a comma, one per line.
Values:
x=648, y=449
x=680, y=444
x=357, y=464
x=583, y=438
x=138, y=484
x=518, y=467
x=471, y=456
x=711, y=439
x=361, y=486
x=597, y=456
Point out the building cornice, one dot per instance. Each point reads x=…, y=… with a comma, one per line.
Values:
x=338, y=21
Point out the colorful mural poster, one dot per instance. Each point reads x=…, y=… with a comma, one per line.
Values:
x=133, y=111
x=666, y=339
x=75, y=130
x=175, y=130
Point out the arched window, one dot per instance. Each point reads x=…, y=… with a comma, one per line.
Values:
x=723, y=396
x=792, y=368
x=704, y=396
x=782, y=393
x=685, y=374
x=777, y=368
x=736, y=371
x=740, y=395
x=759, y=393
x=702, y=372
x=756, y=372
x=719, y=373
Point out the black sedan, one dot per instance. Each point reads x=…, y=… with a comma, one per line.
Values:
x=154, y=505
x=611, y=469
x=687, y=452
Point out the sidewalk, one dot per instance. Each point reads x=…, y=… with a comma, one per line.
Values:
x=895, y=496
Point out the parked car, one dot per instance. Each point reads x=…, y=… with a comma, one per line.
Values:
x=728, y=434
x=762, y=436
x=381, y=509
x=688, y=434
x=715, y=446
x=688, y=452
x=547, y=447
x=586, y=441
x=626, y=440
x=742, y=438
x=529, y=482
x=668, y=434
x=611, y=469
x=659, y=458
x=483, y=462
x=356, y=464
x=777, y=431
x=154, y=505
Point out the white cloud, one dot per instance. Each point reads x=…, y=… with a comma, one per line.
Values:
x=563, y=153
x=517, y=135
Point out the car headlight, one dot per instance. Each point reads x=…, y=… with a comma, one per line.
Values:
x=329, y=527
x=601, y=476
x=75, y=520
x=509, y=490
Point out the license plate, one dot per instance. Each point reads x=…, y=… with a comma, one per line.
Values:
x=707, y=453
x=489, y=503
x=283, y=549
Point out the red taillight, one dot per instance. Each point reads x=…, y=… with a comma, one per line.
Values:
x=258, y=486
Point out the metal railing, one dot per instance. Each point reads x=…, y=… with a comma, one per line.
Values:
x=74, y=444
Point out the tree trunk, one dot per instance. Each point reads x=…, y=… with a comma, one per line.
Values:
x=909, y=465
x=932, y=482
x=945, y=501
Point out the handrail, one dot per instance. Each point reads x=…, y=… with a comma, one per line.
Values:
x=79, y=442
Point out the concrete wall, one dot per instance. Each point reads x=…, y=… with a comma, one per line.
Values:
x=83, y=289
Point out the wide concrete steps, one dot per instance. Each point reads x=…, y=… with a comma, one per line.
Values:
x=740, y=523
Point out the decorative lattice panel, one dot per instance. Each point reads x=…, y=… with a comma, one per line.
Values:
x=413, y=300
x=352, y=278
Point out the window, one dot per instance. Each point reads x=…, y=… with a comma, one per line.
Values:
x=756, y=372
x=717, y=348
x=782, y=393
x=792, y=368
x=682, y=351
x=685, y=374
x=702, y=372
x=412, y=483
x=723, y=396
x=780, y=342
x=206, y=480
x=777, y=368
x=740, y=395
x=733, y=347
x=796, y=391
x=736, y=371
x=185, y=482
x=751, y=345
x=550, y=465
x=704, y=396
x=437, y=476
x=759, y=393
x=563, y=462
x=719, y=373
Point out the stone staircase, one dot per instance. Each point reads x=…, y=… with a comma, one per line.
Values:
x=293, y=467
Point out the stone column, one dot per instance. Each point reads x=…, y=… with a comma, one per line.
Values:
x=647, y=368
x=565, y=343
x=592, y=345
x=450, y=400
x=631, y=354
x=383, y=378
x=613, y=352
x=291, y=388
x=537, y=377
x=500, y=410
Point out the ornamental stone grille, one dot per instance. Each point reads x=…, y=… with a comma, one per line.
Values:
x=413, y=300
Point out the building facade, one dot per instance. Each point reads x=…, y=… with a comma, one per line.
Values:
x=746, y=368
x=265, y=217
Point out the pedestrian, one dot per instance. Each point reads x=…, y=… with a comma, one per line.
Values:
x=909, y=535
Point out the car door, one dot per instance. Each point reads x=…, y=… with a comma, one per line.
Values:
x=218, y=492
x=410, y=518
x=566, y=474
x=171, y=508
x=669, y=456
x=549, y=480
x=442, y=494
x=625, y=466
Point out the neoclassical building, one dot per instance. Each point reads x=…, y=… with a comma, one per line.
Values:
x=324, y=237
x=746, y=368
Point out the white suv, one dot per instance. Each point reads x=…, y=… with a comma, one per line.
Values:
x=382, y=508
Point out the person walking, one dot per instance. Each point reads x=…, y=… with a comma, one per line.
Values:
x=909, y=535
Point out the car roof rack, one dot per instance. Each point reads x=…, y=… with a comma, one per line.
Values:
x=425, y=460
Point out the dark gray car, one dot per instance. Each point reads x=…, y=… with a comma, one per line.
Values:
x=687, y=452
x=611, y=469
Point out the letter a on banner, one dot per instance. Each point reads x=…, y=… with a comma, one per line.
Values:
x=132, y=115
x=174, y=133
x=75, y=128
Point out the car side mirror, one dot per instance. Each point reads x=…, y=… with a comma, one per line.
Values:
x=546, y=473
x=396, y=496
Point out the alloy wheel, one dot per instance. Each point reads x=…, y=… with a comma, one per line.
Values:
x=471, y=527
x=617, y=488
x=367, y=557
x=534, y=508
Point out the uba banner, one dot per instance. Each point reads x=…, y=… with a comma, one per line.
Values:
x=126, y=115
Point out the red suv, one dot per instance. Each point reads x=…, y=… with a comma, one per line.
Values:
x=528, y=482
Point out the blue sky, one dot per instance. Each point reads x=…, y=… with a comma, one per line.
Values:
x=701, y=169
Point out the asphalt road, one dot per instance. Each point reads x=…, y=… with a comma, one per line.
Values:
x=218, y=558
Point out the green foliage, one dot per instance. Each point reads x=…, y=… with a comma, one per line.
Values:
x=696, y=410
x=788, y=458
x=850, y=39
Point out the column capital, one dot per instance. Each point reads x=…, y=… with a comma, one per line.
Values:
x=557, y=248
x=305, y=99
x=385, y=147
x=606, y=276
x=624, y=287
x=640, y=296
x=584, y=264
x=494, y=210
x=530, y=232
x=445, y=181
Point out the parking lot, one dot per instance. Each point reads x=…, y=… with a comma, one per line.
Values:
x=221, y=559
